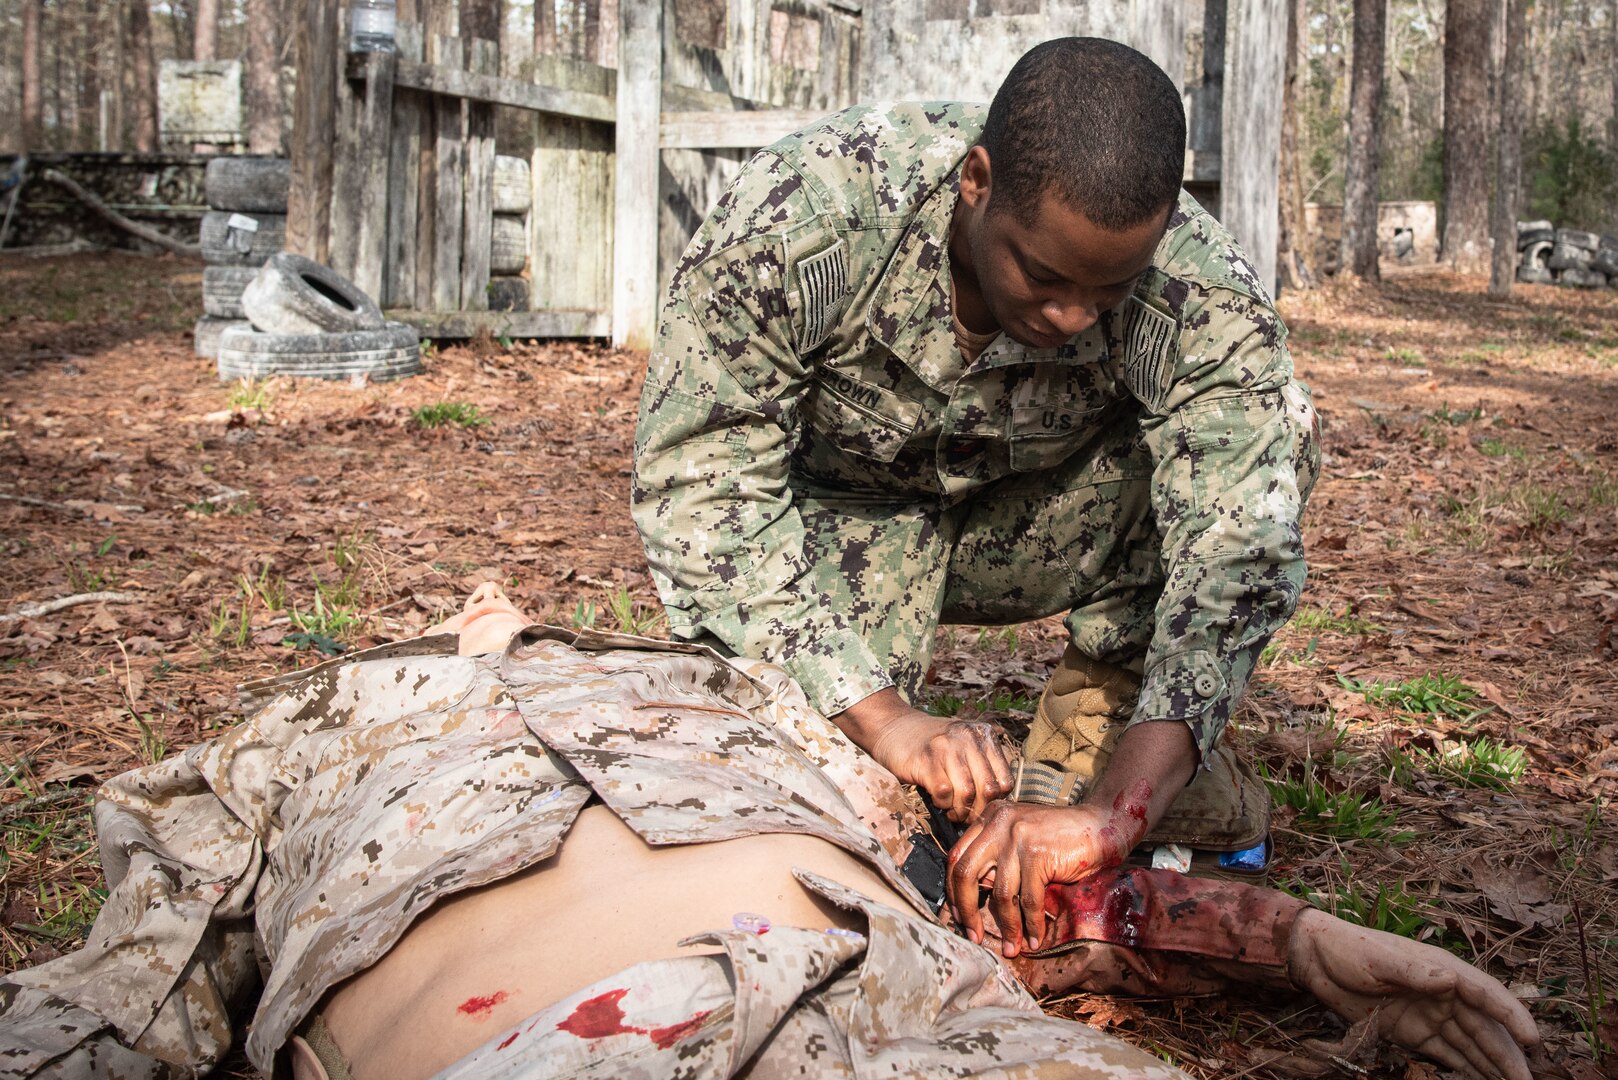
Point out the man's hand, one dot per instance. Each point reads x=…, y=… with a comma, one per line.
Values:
x=957, y=763
x=1418, y=996
x=1025, y=848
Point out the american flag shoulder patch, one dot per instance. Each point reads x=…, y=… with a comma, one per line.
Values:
x=823, y=290
x=1149, y=352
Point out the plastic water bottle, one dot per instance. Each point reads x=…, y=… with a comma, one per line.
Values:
x=370, y=26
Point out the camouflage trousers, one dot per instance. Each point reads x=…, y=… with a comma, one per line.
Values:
x=1080, y=537
x=905, y=998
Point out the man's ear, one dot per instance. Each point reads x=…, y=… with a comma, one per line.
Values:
x=975, y=178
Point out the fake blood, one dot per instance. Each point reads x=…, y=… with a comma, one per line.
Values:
x=508, y=1040
x=602, y=1016
x=480, y=1007
x=1134, y=801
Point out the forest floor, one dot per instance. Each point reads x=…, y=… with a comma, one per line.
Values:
x=1440, y=720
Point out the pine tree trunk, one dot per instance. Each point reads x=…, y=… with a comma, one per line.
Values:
x=1466, y=135
x=32, y=100
x=143, y=74
x=89, y=76
x=1508, y=151
x=263, y=78
x=1359, y=252
x=1292, y=255
x=205, y=42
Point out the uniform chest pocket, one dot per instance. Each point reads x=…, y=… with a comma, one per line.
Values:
x=860, y=418
x=1043, y=436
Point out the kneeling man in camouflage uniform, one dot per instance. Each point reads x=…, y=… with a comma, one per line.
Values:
x=931, y=362
x=513, y=851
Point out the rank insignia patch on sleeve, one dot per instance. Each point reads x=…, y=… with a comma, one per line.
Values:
x=1150, y=340
x=823, y=289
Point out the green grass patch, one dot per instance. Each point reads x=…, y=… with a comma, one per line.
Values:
x=1343, y=622
x=1340, y=814
x=631, y=616
x=1432, y=694
x=1389, y=909
x=462, y=414
x=250, y=394
x=1457, y=417
x=946, y=705
x=1480, y=763
x=1407, y=357
x=1500, y=448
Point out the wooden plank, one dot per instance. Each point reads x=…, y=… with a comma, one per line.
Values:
x=404, y=175
x=1250, y=184
x=347, y=173
x=375, y=140
x=449, y=132
x=561, y=323
x=570, y=223
x=1159, y=32
x=494, y=90
x=479, y=195
x=314, y=121
x=731, y=130
x=640, y=78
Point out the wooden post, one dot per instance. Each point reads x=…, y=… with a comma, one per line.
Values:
x=404, y=175
x=314, y=128
x=450, y=184
x=373, y=171
x=1250, y=176
x=1159, y=32
x=640, y=82
x=479, y=195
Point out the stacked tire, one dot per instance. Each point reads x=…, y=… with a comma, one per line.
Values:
x=306, y=320
x=245, y=224
x=508, y=238
x=1570, y=257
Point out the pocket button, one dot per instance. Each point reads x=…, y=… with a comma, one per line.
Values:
x=1206, y=685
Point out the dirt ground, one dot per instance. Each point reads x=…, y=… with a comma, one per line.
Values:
x=1440, y=721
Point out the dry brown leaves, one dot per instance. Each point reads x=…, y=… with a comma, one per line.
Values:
x=1467, y=524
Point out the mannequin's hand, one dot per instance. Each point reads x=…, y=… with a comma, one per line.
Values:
x=1417, y=996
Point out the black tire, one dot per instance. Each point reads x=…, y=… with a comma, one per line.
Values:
x=1526, y=237
x=1578, y=238
x=391, y=352
x=1537, y=255
x=294, y=295
x=222, y=290
x=206, y=335
x=513, y=193
x=508, y=245
x=508, y=294
x=250, y=184
x=1534, y=275
x=1582, y=279
x=233, y=239
x=1567, y=257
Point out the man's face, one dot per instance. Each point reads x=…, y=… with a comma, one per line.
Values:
x=1047, y=280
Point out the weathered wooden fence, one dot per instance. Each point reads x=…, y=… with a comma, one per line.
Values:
x=394, y=155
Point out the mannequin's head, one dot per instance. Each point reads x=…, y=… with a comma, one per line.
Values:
x=486, y=624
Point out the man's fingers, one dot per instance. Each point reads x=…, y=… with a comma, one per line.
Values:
x=963, y=787
x=968, y=865
x=1034, y=882
x=1007, y=905
x=999, y=767
x=983, y=783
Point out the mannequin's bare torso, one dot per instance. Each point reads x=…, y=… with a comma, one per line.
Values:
x=485, y=959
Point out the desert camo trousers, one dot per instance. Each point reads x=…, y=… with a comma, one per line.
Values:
x=1080, y=537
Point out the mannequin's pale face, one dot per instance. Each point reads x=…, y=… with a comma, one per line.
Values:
x=486, y=624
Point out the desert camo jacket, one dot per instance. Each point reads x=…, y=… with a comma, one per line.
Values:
x=294, y=850
x=807, y=335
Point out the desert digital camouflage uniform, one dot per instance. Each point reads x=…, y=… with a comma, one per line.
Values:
x=298, y=847
x=820, y=475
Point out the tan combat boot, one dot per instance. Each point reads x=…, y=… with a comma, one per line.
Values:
x=1080, y=716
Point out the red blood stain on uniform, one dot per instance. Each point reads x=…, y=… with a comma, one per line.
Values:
x=480, y=1007
x=508, y=1040
x=598, y=1017
x=602, y=1016
x=666, y=1037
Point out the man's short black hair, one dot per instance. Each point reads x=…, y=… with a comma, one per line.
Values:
x=1092, y=121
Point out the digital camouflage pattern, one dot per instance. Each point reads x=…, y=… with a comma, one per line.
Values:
x=300, y=845
x=820, y=475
